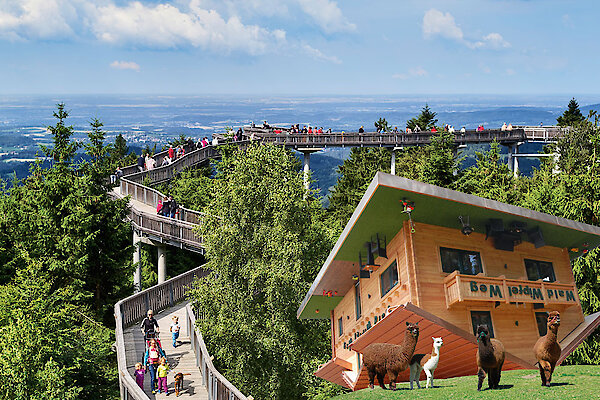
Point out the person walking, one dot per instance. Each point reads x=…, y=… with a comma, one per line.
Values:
x=175, y=330
x=173, y=207
x=139, y=375
x=152, y=360
x=149, y=323
x=140, y=162
x=162, y=371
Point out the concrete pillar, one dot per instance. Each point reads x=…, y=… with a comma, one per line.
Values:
x=162, y=263
x=306, y=163
x=137, y=274
x=556, y=158
x=393, y=166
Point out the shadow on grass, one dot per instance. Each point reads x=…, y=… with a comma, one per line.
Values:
x=561, y=384
x=500, y=387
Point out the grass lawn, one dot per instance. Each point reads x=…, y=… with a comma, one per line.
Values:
x=568, y=382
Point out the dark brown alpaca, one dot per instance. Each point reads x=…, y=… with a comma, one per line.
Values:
x=382, y=358
x=547, y=350
x=490, y=357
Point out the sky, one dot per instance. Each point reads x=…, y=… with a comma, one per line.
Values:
x=299, y=47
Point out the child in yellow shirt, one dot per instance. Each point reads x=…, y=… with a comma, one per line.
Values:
x=162, y=371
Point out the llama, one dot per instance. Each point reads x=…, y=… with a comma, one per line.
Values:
x=429, y=364
x=382, y=358
x=547, y=350
x=490, y=357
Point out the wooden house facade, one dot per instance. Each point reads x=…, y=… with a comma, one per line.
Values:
x=414, y=252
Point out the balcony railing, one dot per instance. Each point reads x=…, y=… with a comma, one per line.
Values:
x=459, y=288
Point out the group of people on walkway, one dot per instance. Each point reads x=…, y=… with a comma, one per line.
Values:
x=155, y=358
x=167, y=207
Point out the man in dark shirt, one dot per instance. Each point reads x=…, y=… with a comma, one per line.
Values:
x=173, y=205
x=141, y=161
x=361, y=130
x=149, y=323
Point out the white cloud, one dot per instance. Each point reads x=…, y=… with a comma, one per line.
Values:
x=412, y=73
x=327, y=15
x=319, y=55
x=491, y=41
x=436, y=22
x=35, y=19
x=510, y=72
x=166, y=26
x=125, y=65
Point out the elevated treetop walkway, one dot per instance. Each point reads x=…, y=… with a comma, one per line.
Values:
x=180, y=232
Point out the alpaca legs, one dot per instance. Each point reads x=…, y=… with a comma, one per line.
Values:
x=546, y=372
x=371, y=378
x=481, y=376
x=499, y=374
x=380, y=378
x=429, y=378
x=393, y=376
x=542, y=374
x=492, y=378
x=415, y=372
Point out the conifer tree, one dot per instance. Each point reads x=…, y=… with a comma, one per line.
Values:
x=425, y=121
x=572, y=115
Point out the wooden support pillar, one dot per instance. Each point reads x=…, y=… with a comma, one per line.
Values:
x=162, y=263
x=137, y=274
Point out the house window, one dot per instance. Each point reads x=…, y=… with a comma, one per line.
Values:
x=540, y=270
x=482, y=318
x=389, y=278
x=357, y=300
x=466, y=262
x=542, y=322
x=340, y=326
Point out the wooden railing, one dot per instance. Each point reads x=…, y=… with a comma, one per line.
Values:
x=132, y=309
x=219, y=388
x=544, y=133
x=460, y=287
x=353, y=139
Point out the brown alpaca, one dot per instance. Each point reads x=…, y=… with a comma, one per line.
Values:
x=547, y=350
x=490, y=357
x=382, y=358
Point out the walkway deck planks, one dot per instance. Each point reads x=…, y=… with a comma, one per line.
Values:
x=180, y=358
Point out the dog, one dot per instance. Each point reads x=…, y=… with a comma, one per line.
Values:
x=178, y=382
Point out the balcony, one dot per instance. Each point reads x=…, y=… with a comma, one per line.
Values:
x=459, y=288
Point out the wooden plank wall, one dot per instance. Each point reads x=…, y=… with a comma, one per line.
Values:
x=372, y=302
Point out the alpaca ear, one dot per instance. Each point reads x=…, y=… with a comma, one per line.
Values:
x=433, y=338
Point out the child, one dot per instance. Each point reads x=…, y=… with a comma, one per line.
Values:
x=163, y=370
x=175, y=330
x=139, y=375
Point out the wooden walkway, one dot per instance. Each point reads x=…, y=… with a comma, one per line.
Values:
x=180, y=358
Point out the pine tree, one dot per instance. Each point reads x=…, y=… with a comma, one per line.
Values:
x=572, y=115
x=425, y=121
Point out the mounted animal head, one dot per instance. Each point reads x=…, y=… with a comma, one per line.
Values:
x=437, y=342
x=483, y=333
x=553, y=319
x=413, y=329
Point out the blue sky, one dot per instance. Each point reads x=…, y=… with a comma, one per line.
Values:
x=299, y=47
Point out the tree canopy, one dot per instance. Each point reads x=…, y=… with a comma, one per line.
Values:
x=572, y=115
x=265, y=243
x=425, y=120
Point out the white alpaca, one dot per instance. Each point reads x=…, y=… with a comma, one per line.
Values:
x=429, y=364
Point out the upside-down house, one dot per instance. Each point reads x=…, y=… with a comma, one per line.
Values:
x=414, y=252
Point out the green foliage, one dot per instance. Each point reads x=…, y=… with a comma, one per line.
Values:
x=119, y=154
x=50, y=347
x=355, y=175
x=425, y=121
x=439, y=163
x=192, y=187
x=572, y=115
x=382, y=125
x=265, y=244
x=64, y=148
x=490, y=178
x=63, y=217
